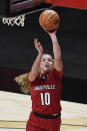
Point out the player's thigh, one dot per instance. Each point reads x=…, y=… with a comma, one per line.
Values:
x=55, y=124
x=32, y=128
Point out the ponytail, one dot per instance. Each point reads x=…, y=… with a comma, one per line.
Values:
x=22, y=80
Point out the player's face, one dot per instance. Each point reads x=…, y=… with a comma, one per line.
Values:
x=46, y=63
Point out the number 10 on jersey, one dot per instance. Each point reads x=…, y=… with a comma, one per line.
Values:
x=45, y=98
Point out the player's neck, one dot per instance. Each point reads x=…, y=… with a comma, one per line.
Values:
x=44, y=72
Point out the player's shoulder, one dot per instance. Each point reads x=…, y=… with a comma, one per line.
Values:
x=36, y=79
x=57, y=73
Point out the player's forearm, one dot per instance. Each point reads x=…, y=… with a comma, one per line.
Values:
x=36, y=64
x=56, y=47
x=35, y=68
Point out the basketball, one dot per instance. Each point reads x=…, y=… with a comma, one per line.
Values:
x=49, y=20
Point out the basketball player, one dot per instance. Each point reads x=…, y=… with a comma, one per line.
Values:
x=46, y=89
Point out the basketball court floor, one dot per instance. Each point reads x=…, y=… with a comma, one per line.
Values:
x=15, y=110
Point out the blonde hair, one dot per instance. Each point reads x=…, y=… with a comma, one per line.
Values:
x=48, y=54
x=22, y=80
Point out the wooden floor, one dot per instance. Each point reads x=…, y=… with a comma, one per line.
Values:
x=15, y=110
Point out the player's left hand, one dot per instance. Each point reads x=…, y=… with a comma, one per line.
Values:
x=38, y=46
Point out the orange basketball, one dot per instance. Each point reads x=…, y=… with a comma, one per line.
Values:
x=49, y=20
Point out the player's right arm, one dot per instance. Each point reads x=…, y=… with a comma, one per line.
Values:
x=56, y=51
x=36, y=65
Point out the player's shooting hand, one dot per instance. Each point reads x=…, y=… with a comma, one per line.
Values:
x=38, y=46
x=51, y=33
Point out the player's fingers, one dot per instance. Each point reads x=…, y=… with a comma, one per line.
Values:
x=35, y=40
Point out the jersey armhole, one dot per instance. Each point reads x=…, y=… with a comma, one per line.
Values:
x=58, y=73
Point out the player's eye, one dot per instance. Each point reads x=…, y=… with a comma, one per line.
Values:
x=43, y=59
x=50, y=60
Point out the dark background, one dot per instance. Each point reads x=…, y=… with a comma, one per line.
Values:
x=17, y=51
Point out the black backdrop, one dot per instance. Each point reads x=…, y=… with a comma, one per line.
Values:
x=17, y=49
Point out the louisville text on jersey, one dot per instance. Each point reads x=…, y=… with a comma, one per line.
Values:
x=43, y=87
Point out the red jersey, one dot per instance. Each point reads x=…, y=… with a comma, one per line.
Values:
x=45, y=93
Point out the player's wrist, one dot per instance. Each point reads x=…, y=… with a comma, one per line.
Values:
x=53, y=38
x=40, y=53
